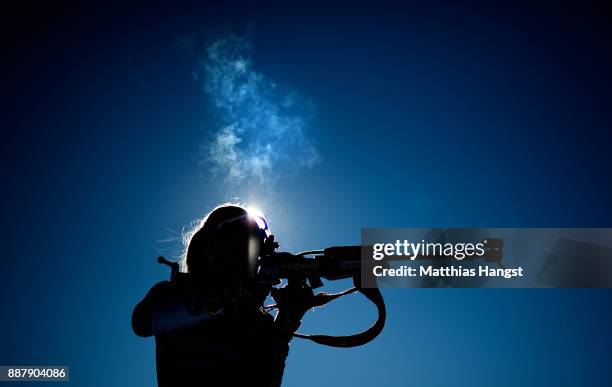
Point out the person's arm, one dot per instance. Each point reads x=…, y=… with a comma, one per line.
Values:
x=142, y=316
x=293, y=302
x=164, y=309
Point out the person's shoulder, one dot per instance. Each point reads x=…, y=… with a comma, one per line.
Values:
x=162, y=285
x=161, y=289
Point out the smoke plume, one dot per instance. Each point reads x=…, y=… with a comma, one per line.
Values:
x=260, y=136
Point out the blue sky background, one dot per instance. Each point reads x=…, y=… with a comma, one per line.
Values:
x=438, y=115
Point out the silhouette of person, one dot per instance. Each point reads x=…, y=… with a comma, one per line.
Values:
x=216, y=332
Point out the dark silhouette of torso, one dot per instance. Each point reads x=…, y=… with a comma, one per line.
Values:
x=225, y=350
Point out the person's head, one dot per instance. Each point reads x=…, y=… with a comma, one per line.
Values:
x=227, y=243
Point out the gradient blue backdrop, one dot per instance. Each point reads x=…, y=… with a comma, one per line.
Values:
x=439, y=115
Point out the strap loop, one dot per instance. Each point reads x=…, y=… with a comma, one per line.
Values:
x=372, y=294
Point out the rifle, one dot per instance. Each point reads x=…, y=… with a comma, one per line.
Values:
x=333, y=263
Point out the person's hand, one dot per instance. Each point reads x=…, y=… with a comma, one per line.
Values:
x=293, y=302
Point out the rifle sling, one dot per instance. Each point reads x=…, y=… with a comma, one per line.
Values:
x=372, y=294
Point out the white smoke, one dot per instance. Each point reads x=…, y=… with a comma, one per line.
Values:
x=261, y=132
